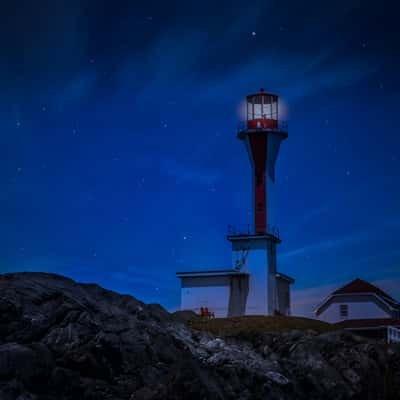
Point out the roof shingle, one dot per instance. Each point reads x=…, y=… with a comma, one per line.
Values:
x=361, y=286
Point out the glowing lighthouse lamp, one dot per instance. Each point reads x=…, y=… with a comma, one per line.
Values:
x=252, y=286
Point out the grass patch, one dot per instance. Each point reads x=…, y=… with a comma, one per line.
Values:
x=237, y=326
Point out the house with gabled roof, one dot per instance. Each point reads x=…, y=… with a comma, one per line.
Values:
x=359, y=305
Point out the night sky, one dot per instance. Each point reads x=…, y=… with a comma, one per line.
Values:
x=119, y=158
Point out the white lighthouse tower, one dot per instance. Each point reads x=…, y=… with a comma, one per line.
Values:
x=252, y=285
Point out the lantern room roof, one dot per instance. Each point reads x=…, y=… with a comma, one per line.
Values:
x=261, y=92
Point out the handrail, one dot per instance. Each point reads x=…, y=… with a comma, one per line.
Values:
x=280, y=126
x=247, y=230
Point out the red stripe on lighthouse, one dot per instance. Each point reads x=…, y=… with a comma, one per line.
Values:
x=258, y=146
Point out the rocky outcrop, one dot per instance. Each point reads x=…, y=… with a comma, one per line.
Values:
x=64, y=340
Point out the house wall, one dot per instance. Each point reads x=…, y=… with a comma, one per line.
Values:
x=238, y=295
x=356, y=310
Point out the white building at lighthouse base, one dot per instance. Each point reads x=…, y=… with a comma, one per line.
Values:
x=252, y=286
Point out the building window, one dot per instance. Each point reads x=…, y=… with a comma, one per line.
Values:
x=344, y=310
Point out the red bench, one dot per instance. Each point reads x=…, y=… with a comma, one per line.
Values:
x=204, y=312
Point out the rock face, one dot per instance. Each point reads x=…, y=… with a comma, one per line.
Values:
x=64, y=340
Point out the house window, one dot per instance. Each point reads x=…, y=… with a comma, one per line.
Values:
x=344, y=310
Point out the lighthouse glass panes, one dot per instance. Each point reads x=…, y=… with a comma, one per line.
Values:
x=262, y=111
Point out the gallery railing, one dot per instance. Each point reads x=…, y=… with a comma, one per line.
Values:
x=262, y=125
x=248, y=230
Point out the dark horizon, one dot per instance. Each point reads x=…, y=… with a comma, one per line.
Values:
x=120, y=162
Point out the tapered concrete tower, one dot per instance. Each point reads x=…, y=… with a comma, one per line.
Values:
x=254, y=248
x=262, y=134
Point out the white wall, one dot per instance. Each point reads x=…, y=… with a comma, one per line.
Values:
x=257, y=265
x=216, y=298
x=257, y=300
x=356, y=310
x=283, y=296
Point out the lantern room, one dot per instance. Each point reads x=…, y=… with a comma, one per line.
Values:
x=262, y=110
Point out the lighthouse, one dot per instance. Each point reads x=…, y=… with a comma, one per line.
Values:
x=251, y=285
x=262, y=134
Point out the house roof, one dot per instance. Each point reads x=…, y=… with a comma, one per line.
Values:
x=361, y=286
x=368, y=323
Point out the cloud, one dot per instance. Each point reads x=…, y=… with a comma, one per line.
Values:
x=63, y=266
x=355, y=237
x=293, y=74
x=185, y=173
x=136, y=276
x=329, y=244
x=390, y=286
x=76, y=89
x=304, y=301
x=148, y=287
x=203, y=64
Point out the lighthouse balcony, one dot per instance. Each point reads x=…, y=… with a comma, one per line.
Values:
x=263, y=124
x=248, y=230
